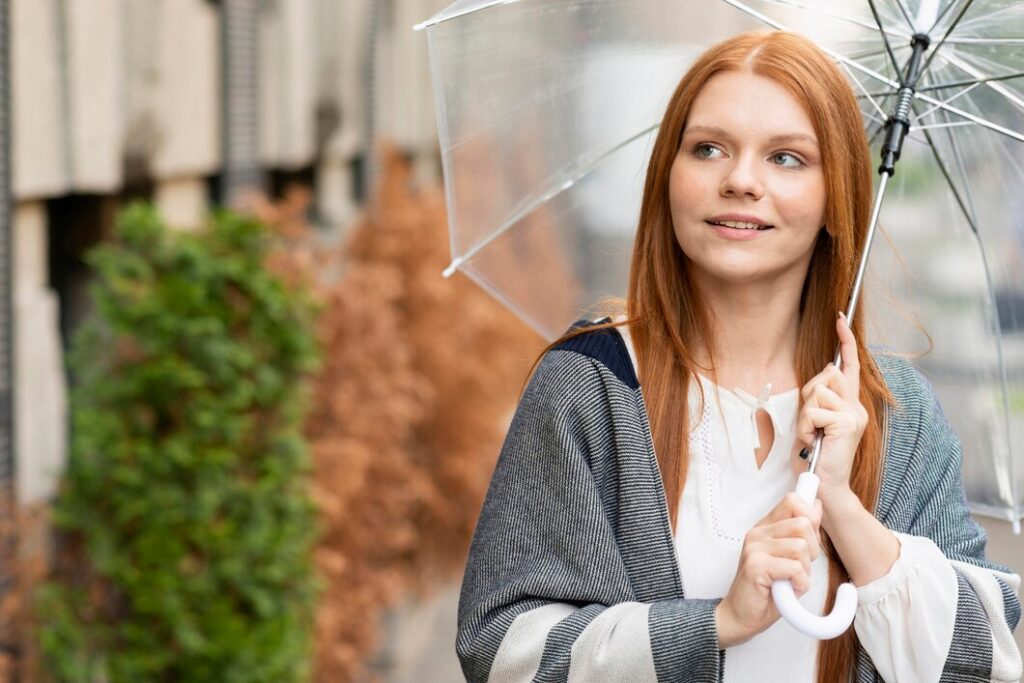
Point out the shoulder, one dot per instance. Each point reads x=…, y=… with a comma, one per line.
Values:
x=915, y=396
x=605, y=347
x=569, y=373
x=580, y=377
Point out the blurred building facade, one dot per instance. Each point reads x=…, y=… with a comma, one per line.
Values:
x=189, y=103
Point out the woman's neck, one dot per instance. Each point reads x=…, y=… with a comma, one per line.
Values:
x=754, y=334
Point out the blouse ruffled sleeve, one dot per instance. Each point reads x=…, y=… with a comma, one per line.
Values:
x=905, y=619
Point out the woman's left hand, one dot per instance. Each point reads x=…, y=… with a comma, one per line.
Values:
x=832, y=402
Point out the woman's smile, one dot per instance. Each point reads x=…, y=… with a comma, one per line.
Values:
x=731, y=233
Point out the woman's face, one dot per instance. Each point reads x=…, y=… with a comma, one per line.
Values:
x=749, y=154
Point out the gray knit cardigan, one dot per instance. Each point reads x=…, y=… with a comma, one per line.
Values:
x=575, y=522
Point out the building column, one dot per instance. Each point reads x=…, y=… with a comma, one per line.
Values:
x=40, y=399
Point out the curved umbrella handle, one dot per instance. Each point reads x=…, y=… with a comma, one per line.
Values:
x=824, y=627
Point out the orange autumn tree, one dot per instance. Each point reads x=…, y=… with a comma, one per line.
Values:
x=420, y=375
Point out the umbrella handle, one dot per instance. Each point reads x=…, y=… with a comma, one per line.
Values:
x=823, y=627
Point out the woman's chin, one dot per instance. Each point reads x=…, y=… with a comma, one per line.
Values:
x=737, y=272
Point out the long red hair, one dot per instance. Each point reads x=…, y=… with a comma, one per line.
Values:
x=667, y=317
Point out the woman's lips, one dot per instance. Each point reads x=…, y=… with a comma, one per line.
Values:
x=738, y=234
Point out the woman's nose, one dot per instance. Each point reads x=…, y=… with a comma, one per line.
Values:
x=741, y=179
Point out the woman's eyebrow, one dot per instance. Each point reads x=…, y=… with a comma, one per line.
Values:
x=773, y=140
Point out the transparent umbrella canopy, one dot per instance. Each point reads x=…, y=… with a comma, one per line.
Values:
x=547, y=111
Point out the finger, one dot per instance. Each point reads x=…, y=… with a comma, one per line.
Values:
x=763, y=569
x=807, y=426
x=825, y=397
x=831, y=422
x=837, y=381
x=800, y=549
x=848, y=351
x=808, y=388
x=830, y=376
x=803, y=530
x=790, y=506
x=796, y=549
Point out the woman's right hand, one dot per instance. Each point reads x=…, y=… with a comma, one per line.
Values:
x=780, y=546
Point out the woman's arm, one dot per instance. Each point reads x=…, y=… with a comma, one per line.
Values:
x=867, y=547
x=546, y=592
x=941, y=609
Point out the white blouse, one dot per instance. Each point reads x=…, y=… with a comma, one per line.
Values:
x=904, y=619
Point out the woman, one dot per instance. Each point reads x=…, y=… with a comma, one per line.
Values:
x=632, y=529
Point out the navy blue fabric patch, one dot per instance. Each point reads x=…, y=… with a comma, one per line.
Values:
x=606, y=346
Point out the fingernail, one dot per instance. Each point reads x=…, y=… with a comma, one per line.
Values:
x=804, y=453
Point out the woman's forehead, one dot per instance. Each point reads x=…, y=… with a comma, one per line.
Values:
x=741, y=103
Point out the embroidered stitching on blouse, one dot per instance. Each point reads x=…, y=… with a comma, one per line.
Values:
x=714, y=478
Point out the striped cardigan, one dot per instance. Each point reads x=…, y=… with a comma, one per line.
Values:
x=574, y=534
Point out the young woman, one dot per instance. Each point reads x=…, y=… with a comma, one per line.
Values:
x=632, y=530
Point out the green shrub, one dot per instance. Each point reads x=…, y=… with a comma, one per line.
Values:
x=186, y=492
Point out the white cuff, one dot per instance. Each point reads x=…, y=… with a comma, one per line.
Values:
x=905, y=619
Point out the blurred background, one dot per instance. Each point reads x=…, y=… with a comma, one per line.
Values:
x=306, y=327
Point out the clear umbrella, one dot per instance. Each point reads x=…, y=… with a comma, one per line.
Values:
x=547, y=112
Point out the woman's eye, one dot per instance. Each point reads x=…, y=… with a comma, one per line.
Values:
x=793, y=162
x=705, y=150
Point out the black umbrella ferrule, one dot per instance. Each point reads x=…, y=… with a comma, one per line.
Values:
x=898, y=124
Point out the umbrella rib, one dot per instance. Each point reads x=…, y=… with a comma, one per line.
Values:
x=434, y=20
x=938, y=19
x=949, y=29
x=906, y=15
x=951, y=124
x=951, y=98
x=891, y=93
x=970, y=81
x=864, y=90
x=520, y=214
x=885, y=37
x=958, y=158
x=971, y=117
x=949, y=181
x=870, y=52
x=840, y=17
x=999, y=88
x=985, y=41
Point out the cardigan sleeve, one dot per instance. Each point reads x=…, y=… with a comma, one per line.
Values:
x=946, y=565
x=546, y=595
